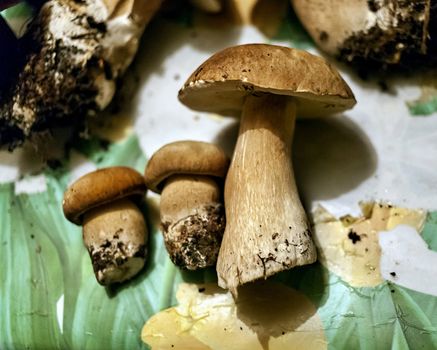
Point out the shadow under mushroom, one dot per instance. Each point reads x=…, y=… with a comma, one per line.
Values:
x=331, y=156
x=273, y=310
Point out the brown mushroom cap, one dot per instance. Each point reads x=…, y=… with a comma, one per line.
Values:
x=221, y=83
x=100, y=187
x=185, y=157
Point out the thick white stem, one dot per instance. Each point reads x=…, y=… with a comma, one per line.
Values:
x=267, y=229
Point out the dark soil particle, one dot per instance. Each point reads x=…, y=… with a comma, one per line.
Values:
x=323, y=36
x=373, y=5
x=354, y=237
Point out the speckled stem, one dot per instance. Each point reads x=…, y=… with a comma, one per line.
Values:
x=115, y=235
x=267, y=229
x=193, y=220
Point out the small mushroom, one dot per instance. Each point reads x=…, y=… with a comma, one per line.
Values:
x=188, y=176
x=379, y=31
x=267, y=230
x=114, y=230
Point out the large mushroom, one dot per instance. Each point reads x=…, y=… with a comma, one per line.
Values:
x=188, y=175
x=379, y=31
x=267, y=230
x=114, y=230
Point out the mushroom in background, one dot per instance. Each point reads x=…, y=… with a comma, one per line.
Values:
x=114, y=230
x=79, y=50
x=188, y=176
x=267, y=230
x=382, y=32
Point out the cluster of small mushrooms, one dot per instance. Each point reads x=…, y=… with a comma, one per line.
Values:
x=266, y=229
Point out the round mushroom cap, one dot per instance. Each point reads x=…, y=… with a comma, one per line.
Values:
x=100, y=187
x=222, y=82
x=185, y=157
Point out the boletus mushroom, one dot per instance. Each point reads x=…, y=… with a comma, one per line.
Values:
x=114, y=230
x=386, y=32
x=267, y=230
x=188, y=175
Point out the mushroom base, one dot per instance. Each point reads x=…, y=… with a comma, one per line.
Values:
x=115, y=235
x=193, y=220
x=193, y=242
x=400, y=37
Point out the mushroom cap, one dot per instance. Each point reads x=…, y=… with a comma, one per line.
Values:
x=185, y=157
x=100, y=187
x=221, y=83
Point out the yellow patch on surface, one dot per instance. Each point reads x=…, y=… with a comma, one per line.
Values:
x=349, y=246
x=266, y=316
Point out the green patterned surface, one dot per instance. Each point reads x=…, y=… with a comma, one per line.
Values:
x=383, y=317
x=43, y=259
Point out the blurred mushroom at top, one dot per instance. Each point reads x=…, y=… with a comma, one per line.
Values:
x=78, y=51
x=189, y=176
x=267, y=230
x=383, y=32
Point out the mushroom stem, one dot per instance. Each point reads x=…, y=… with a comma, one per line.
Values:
x=115, y=235
x=267, y=229
x=193, y=220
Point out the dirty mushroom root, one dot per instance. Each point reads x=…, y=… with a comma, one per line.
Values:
x=267, y=229
x=379, y=33
x=188, y=175
x=76, y=52
x=114, y=230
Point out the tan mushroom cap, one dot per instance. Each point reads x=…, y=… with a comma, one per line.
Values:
x=100, y=187
x=185, y=157
x=221, y=83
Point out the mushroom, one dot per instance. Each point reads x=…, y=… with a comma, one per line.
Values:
x=381, y=31
x=267, y=230
x=74, y=54
x=188, y=174
x=114, y=230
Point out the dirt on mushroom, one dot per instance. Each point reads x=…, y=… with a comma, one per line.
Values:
x=188, y=176
x=114, y=229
